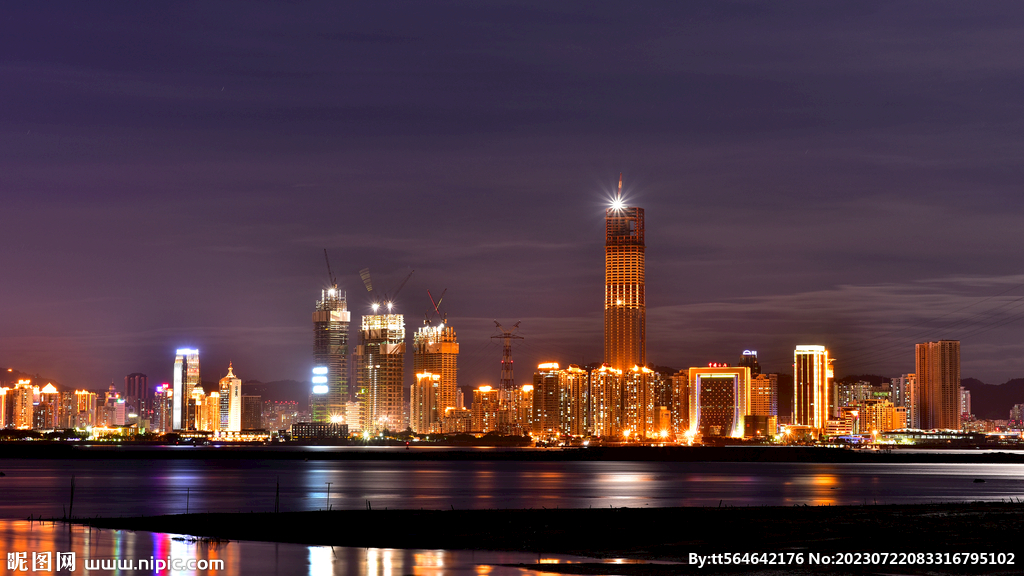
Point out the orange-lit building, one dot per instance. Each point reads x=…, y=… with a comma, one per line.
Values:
x=625, y=308
x=485, y=409
x=719, y=400
x=812, y=381
x=938, y=382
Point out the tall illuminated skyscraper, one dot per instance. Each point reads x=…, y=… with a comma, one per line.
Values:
x=812, y=375
x=938, y=381
x=230, y=401
x=625, y=308
x=330, y=356
x=186, y=378
x=436, y=351
x=380, y=360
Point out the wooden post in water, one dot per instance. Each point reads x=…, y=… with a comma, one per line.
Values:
x=71, y=507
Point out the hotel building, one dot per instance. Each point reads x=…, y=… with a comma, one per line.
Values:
x=719, y=400
x=186, y=378
x=812, y=376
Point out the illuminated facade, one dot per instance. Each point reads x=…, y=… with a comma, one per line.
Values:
x=640, y=418
x=45, y=411
x=436, y=351
x=163, y=408
x=425, y=418
x=812, y=377
x=877, y=415
x=680, y=402
x=380, y=360
x=938, y=380
x=485, y=409
x=545, y=400
x=230, y=402
x=905, y=393
x=186, y=378
x=606, y=401
x=764, y=395
x=574, y=401
x=211, y=412
x=20, y=398
x=625, y=308
x=719, y=400
x=525, y=408
x=330, y=357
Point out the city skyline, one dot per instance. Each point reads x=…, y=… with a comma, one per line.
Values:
x=786, y=202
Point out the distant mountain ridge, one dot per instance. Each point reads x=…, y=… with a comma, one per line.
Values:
x=993, y=401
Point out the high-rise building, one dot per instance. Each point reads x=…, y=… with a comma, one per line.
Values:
x=436, y=351
x=229, y=388
x=680, y=402
x=424, y=417
x=485, y=409
x=44, y=414
x=812, y=376
x=574, y=401
x=545, y=400
x=719, y=400
x=252, y=412
x=136, y=394
x=640, y=418
x=749, y=359
x=965, y=404
x=186, y=378
x=905, y=393
x=163, y=407
x=625, y=308
x=764, y=395
x=524, y=406
x=330, y=357
x=938, y=379
x=211, y=412
x=380, y=360
x=21, y=401
x=606, y=401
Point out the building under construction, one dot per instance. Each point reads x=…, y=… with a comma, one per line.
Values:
x=330, y=356
x=380, y=361
x=435, y=352
x=625, y=305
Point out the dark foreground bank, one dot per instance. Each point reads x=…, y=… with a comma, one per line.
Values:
x=666, y=534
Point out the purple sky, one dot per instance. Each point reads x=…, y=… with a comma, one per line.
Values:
x=846, y=174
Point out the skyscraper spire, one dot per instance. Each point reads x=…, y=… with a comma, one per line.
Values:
x=619, y=196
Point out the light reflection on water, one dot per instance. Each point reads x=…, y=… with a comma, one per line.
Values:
x=151, y=487
x=246, y=558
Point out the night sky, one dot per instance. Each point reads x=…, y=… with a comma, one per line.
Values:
x=841, y=173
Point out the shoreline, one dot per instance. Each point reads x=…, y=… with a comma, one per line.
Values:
x=648, y=534
x=780, y=454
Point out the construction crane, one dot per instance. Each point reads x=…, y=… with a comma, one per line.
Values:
x=330, y=275
x=388, y=300
x=437, y=308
